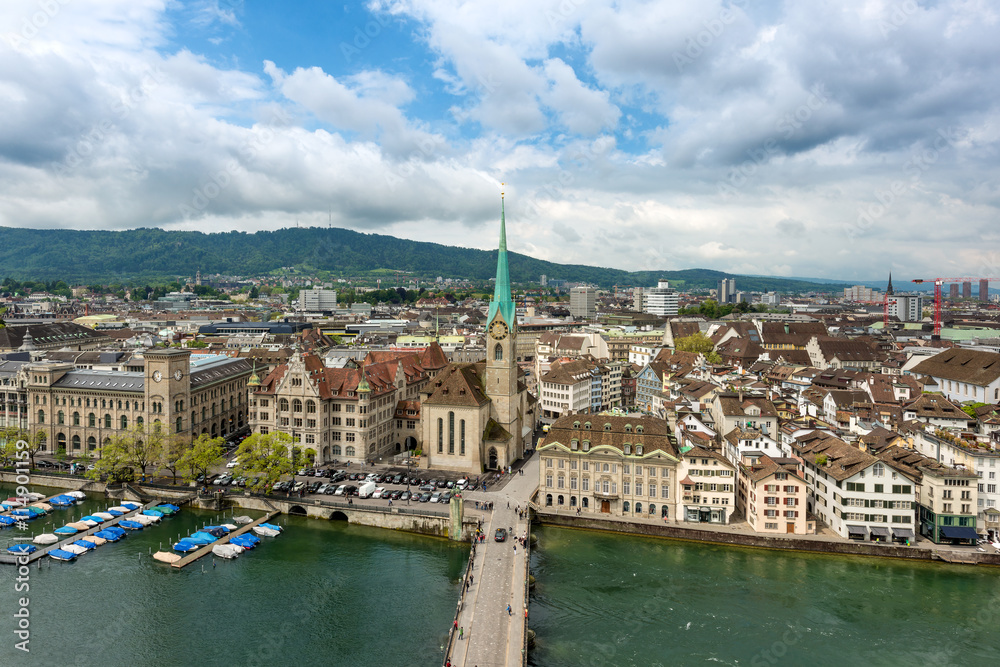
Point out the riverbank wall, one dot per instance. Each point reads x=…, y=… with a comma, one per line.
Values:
x=965, y=556
x=408, y=519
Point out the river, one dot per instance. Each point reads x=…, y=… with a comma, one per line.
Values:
x=609, y=599
x=322, y=593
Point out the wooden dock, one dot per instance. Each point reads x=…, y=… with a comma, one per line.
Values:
x=204, y=551
x=11, y=559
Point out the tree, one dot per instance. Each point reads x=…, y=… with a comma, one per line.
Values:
x=203, y=454
x=172, y=454
x=264, y=459
x=113, y=464
x=138, y=447
x=700, y=344
x=34, y=442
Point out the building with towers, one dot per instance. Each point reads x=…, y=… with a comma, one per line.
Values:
x=478, y=417
x=727, y=291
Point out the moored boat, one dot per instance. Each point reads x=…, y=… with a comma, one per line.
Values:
x=227, y=550
x=166, y=557
x=46, y=538
x=265, y=532
x=61, y=554
x=22, y=548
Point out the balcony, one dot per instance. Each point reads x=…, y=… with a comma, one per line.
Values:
x=605, y=495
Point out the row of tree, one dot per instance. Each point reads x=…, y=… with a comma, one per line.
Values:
x=145, y=450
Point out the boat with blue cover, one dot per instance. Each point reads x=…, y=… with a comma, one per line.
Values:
x=108, y=535
x=62, y=554
x=86, y=544
x=22, y=549
x=114, y=513
x=153, y=512
x=271, y=526
x=128, y=504
x=185, y=545
x=202, y=537
x=63, y=501
x=66, y=530
x=7, y=520
x=245, y=541
x=167, y=508
x=130, y=525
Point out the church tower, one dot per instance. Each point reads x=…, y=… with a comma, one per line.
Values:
x=501, y=343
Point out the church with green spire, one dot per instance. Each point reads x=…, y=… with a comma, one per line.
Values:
x=480, y=416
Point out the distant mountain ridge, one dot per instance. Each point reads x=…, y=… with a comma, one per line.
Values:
x=151, y=254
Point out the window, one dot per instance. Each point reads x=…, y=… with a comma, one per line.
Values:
x=638, y=508
x=91, y=420
x=625, y=506
x=498, y=356
x=440, y=435
x=179, y=426
x=61, y=418
x=91, y=442
x=41, y=416
x=283, y=405
x=107, y=421
x=76, y=442
x=561, y=482
x=124, y=422
x=878, y=470
x=638, y=450
x=899, y=488
x=349, y=451
x=311, y=407
x=451, y=432
x=335, y=450
x=296, y=405
x=585, y=487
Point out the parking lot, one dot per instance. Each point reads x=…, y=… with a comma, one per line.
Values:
x=366, y=485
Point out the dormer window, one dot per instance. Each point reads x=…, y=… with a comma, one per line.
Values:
x=574, y=444
x=638, y=450
x=607, y=427
x=628, y=449
x=628, y=428
x=587, y=426
x=638, y=429
x=586, y=445
x=576, y=424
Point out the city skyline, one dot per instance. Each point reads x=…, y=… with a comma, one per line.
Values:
x=735, y=137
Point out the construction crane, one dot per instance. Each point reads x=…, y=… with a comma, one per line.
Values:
x=938, y=282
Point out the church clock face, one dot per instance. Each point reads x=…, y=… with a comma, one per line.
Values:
x=498, y=330
x=157, y=376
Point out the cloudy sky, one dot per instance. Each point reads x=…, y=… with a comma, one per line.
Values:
x=834, y=139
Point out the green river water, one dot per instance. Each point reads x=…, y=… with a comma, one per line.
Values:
x=322, y=593
x=605, y=599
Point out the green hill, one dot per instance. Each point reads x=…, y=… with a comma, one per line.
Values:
x=153, y=254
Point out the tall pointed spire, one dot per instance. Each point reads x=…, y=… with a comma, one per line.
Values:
x=888, y=289
x=502, y=301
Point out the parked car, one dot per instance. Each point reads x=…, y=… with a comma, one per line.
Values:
x=394, y=495
x=451, y=484
x=445, y=497
x=425, y=496
x=405, y=495
x=442, y=483
x=298, y=486
x=398, y=479
x=436, y=496
x=313, y=487
x=340, y=490
x=330, y=489
x=426, y=487
x=500, y=535
x=379, y=492
x=235, y=462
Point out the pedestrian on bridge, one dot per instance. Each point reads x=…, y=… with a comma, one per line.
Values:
x=461, y=632
x=508, y=610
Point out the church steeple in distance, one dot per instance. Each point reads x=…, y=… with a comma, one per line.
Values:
x=502, y=301
x=888, y=289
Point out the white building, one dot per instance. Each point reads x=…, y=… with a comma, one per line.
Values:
x=661, y=300
x=318, y=299
x=856, y=494
x=583, y=303
x=907, y=307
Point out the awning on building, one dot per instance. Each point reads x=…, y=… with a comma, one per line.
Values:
x=959, y=533
x=881, y=531
x=902, y=532
x=857, y=530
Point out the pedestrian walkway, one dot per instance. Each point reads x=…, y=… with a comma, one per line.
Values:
x=494, y=637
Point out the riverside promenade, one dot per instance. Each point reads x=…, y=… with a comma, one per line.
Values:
x=492, y=637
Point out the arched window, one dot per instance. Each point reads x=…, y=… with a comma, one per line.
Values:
x=180, y=424
x=336, y=450
x=652, y=508
x=76, y=442
x=560, y=501
x=548, y=500
x=41, y=416
x=91, y=420
x=283, y=405
x=461, y=437
x=878, y=470
x=204, y=413
x=498, y=352
x=124, y=421
x=576, y=424
x=296, y=405
x=628, y=428
x=60, y=418
x=625, y=506
x=585, y=502
x=638, y=508
x=638, y=429
x=638, y=450
x=91, y=443
x=311, y=407
x=349, y=451
x=587, y=426
x=440, y=435
x=451, y=432
x=572, y=501
x=107, y=421
x=139, y=421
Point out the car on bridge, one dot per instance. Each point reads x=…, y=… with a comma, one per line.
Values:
x=500, y=535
